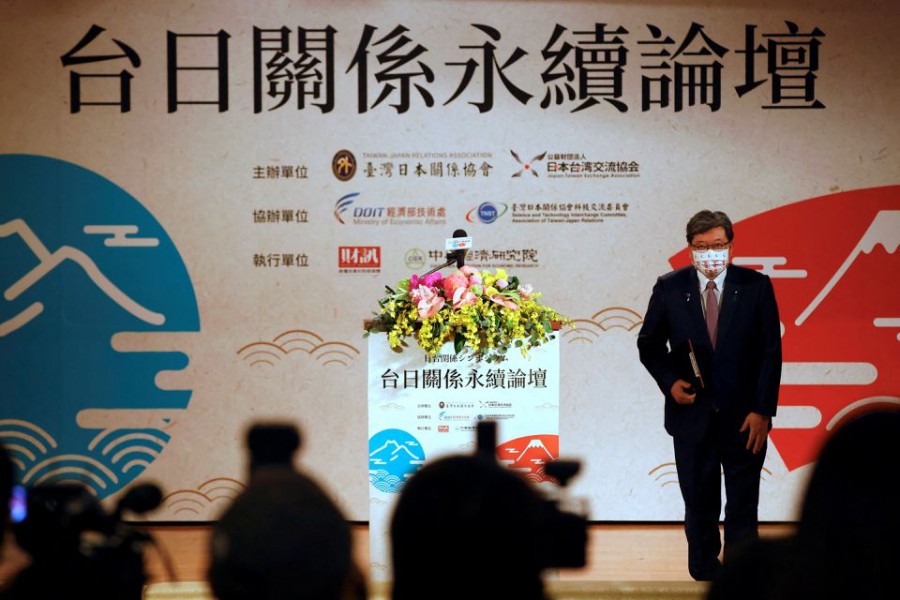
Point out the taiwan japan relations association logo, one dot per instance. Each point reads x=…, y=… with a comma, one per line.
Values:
x=88, y=277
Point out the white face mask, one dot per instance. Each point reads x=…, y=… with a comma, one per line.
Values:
x=711, y=262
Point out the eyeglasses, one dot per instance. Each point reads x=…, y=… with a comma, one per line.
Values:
x=704, y=247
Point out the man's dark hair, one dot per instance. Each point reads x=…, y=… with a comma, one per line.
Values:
x=705, y=220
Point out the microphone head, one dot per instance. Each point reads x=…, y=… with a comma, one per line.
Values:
x=459, y=255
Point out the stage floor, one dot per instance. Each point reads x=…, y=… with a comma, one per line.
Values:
x=617, y=554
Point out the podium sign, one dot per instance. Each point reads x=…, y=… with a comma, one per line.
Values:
x=422, y=407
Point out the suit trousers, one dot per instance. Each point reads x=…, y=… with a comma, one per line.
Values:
x=700, y=466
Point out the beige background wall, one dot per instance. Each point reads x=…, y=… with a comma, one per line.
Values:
x=194, y=171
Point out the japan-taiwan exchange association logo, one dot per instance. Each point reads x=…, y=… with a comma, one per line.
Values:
x=90, y=282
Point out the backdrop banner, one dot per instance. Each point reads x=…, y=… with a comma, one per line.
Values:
x=199, y=203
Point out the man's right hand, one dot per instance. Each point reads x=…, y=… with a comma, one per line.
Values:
x=681, y=392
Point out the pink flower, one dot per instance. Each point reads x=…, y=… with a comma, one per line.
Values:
x=433, y=279
x=453, y=282
x=430, y=280
x=428, y=301
x=504, y=301
x=462, y=297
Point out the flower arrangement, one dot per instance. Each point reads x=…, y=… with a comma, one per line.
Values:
x=481, y=312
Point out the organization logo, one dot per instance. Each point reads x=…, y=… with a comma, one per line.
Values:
x=415, y=259
x=343, y=165
x=530, y=455
x=439, y=165
x=347, y=211
x=341, y=206
x=445, y=416
x=355, y=259
x=529, y=166
x=578, y=165
x=443, y=428
x=394, y=456
x=443, y=404
x=89, y=275
x=486, y=212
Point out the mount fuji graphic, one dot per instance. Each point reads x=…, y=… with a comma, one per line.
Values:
x=77, y=406
x=535, y=453
x=47, y=262
x=529, y=455
x=394, y=455
x=390, y=451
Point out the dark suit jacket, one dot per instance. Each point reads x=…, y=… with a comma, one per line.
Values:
x=741, y=375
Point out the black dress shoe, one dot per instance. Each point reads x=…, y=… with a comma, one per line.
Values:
x=708, y=572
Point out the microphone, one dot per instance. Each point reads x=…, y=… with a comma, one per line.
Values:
x=456, y=248
x=460, y=254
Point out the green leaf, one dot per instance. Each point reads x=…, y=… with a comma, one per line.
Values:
x=459, y=342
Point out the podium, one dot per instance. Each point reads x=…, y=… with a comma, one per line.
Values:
x=421, y=407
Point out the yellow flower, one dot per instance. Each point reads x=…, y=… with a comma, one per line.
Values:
x=484, y=328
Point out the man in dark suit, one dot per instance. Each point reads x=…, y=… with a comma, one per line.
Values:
x=719, y=414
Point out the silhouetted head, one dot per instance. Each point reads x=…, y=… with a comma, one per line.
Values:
x=850, y=522
x=466, y=527
x=272, y=444
x=282, y=538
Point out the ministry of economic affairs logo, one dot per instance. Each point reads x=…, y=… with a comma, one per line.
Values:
x=343, y=165
x=341, y=206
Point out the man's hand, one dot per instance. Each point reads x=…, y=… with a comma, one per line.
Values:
x=759, y=430
x=681, y=392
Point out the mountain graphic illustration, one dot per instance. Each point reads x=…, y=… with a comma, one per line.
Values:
x=394, y=455
x=535, y=453
x=392, y=450
x=83, y=263
x=529, y=455
x=47, y=262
